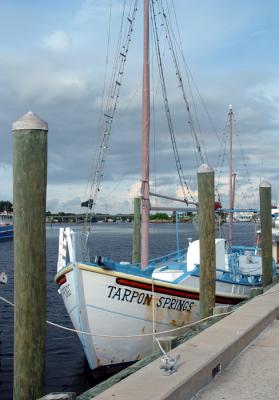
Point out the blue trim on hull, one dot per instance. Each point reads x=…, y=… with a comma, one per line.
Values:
x=176, y=261
x=6, y=232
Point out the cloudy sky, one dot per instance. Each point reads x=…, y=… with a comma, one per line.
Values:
x=55, y=55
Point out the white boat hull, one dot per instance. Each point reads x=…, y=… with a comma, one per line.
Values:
x=113, y=304
x=116, y=309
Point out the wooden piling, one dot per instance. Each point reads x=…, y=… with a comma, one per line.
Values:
x=136, y=231
x=207, y=240
x=29, y=188
x=266, y=232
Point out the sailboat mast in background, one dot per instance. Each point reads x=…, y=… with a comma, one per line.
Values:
x=231, y=180
x=106, y=299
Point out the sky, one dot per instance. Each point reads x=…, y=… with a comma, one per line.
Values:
x=55, y=56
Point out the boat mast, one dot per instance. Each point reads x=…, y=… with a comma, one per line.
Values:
x=145, y=141
x=231, y=180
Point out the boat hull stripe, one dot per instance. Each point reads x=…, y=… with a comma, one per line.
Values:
x=174, y=292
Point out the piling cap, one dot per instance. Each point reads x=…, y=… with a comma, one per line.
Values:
x=30, y=121
x=265, y=184
x=204, y=168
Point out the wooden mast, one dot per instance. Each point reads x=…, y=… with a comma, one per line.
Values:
x=231, y=180
x=145, y=141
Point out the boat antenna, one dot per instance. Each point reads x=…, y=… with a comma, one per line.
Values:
x=145, y=140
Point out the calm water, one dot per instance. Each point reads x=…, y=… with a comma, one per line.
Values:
x=66, y=367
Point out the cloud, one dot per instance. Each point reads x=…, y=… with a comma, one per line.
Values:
x=57, y=41
x=95, y=9
x=61, y=80
x=135, y=190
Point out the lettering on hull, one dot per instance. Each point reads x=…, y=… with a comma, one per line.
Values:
x=65, y=291
x=133, y=296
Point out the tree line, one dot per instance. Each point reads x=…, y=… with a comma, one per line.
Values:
x=6, y=206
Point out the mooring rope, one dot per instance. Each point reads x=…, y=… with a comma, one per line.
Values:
x=160, y=346
x=143, y=334
x=125, y=336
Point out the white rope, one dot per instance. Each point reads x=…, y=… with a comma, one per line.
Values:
x=6, y=301
x=153, y=311
x=141, y=335
x=125, y=336
x=161, y=348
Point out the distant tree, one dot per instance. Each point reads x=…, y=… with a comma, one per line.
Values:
x=159, y=216
x=6, y=206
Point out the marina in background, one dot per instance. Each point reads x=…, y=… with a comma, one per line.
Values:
x=6, y=226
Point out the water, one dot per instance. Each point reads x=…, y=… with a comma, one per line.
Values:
x=66, y=367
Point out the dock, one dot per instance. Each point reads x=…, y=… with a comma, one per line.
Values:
x=251, y=375
x=217, y=362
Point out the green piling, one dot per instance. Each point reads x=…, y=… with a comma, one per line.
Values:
x=266, y=232
x=136, y=231
x=29, y=188
x=207, y=240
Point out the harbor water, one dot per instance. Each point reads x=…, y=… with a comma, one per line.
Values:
x=66, y=367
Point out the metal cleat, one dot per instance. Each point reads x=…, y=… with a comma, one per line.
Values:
x=169, y=364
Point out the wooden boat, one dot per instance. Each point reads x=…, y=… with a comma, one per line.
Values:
x=118, y=308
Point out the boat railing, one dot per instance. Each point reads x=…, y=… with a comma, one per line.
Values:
x=174, y=256
x=6, y=218
x=231, y=277
x=178, y=255
x=234, y=263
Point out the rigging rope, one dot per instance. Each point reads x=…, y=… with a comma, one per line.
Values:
x=183, y=182
x=244, y=164
x=224, y=156
x=108, y=114
x=170, y=36
x=189, y=75
x=99, y=130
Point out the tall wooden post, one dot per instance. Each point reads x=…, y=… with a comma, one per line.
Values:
x=136, y=231
x=29, y=187
x=207, y=240
x=145, y=206
x=266, y=232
